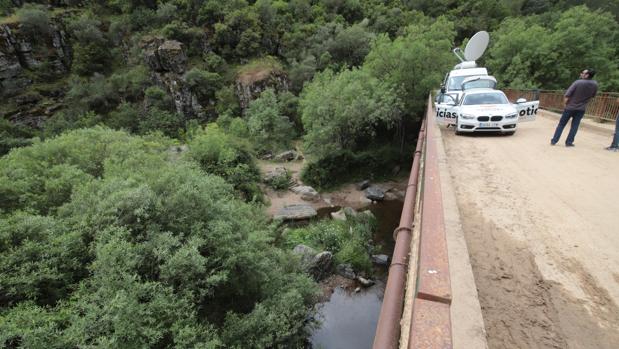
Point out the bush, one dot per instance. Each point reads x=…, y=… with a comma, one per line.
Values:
x=346, y=166
x=34, y=19
x=203, y=83
x=125, y=116
x=13, y=136
x=348, y=240
x=157, y=120
x=145, y=252
x=92, y=57
x=158, y=98
x=347, y=111
x=280, y=182
x=229, y=157
x=269, y=129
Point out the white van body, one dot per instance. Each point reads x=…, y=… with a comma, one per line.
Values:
x=452, y=84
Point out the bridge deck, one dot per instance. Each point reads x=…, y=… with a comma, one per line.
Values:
x=541, y=224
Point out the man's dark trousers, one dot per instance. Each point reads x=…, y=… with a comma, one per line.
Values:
x=576, y=116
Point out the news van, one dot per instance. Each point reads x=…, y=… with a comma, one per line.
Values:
x=469, y=101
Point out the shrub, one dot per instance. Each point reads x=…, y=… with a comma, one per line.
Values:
x=346, y=111
x=158, y=98
x=348, y=240
x=281, y=182
x=146, y=252
x=13, y=136
x=34, y=19
x=229, y=157
x=269, y=129
x=345, y=166
x=203, y=83
x=91, y=57
x=125, y=116
x=155, y=119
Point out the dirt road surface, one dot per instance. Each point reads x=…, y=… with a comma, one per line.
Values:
x=542, y=227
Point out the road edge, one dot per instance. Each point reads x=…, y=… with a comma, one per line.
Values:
x=468, y=329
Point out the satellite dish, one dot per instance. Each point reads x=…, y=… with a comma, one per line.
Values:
x=476, y=46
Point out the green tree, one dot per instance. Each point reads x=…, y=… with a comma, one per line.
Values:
x=345, y=111
x=227, y=156
x=269, y=129
x=146, y=251
x=414, y=63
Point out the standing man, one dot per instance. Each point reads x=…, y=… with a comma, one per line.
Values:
x=575, y=100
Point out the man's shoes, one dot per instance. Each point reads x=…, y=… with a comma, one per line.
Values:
x=569, y=144
x=613, y=149
x=552, y=143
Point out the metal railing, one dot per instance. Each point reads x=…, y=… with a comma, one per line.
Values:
x=430, y=325
x=604, y=106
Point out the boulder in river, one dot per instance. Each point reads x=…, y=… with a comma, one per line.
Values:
x=318, y=265
x=380, y=259
x=307, y=193
x=374, y=193
x=346, y=271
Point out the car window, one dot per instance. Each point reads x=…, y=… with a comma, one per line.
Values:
x=455, y=83
x=485, y=98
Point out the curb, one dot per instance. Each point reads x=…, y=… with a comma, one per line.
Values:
x=468, y=329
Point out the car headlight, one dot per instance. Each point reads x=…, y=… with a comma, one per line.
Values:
x=467, y=116
x=511, y=116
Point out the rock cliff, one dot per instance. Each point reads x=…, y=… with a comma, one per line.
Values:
x=167, y=61
x=20, y=52
x=250, y=85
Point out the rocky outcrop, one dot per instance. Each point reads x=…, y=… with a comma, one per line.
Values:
x=20, y=52
x=250, y=85
x=167, y=61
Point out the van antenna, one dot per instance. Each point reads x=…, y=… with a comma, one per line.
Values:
x=456, y=52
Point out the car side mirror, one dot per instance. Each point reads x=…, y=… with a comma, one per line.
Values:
x=521, y=100
x=443, y=89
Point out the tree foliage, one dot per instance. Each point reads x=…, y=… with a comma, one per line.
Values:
x=269, y=129
x=106, y=241
x=532, y=53
x=414, y=63
x=346, y=110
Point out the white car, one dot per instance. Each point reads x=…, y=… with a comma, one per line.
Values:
x=484, y=110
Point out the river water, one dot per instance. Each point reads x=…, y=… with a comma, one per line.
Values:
x=348, y=319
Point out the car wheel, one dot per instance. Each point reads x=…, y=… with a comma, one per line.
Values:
x=510, y=133
x=458, y=133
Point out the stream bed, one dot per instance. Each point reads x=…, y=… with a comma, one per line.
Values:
x=348, y=319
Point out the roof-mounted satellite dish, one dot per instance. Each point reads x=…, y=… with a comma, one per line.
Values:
x=476, y=46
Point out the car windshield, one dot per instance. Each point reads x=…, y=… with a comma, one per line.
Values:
x=485, y=98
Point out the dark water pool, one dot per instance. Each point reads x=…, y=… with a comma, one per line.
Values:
x=348, y=319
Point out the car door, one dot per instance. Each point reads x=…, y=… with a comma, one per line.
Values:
x=527, y=110
x=445, y=109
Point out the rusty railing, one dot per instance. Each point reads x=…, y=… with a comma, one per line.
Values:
x=604, y=106
x=430, y=325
